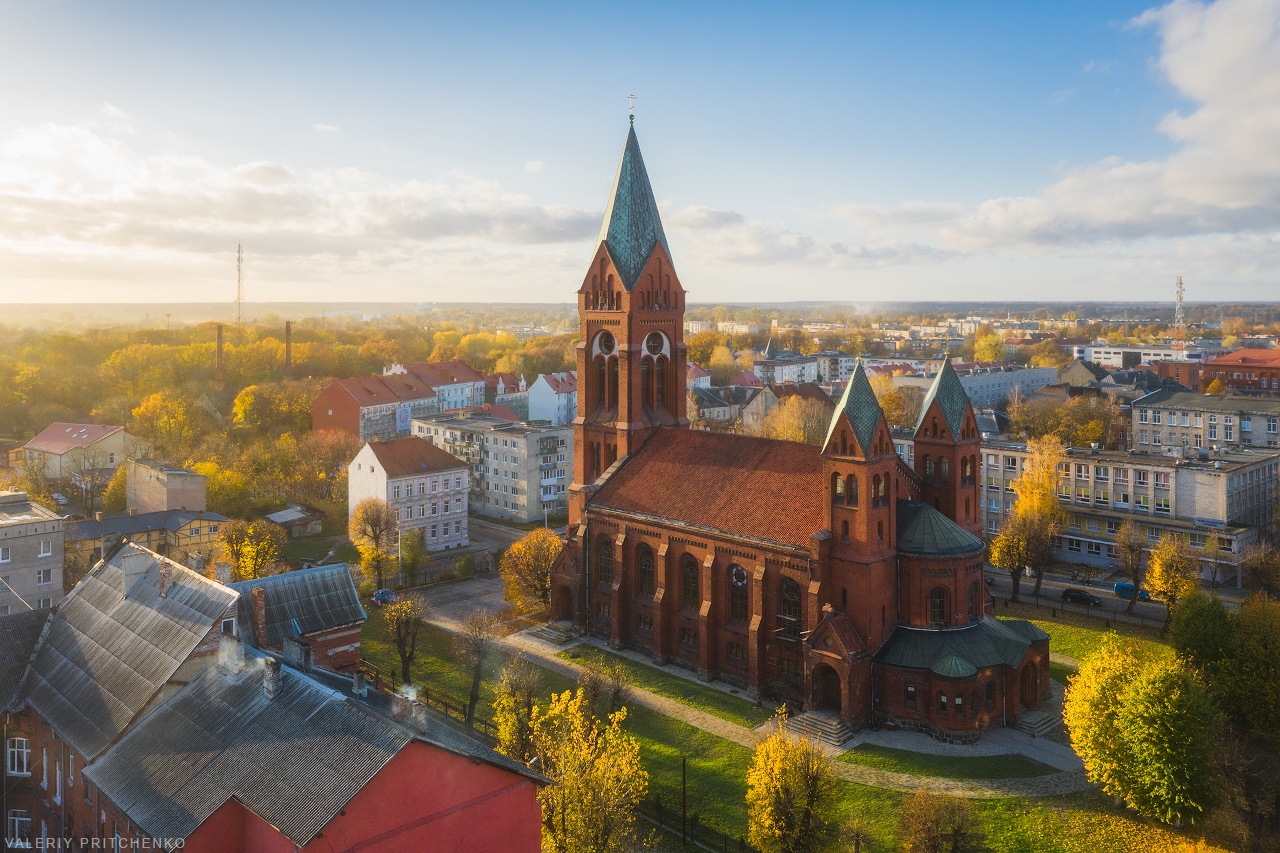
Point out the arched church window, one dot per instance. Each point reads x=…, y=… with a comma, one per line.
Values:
x=837, y=488
x=606, y=343
x=690, y=595
x=882, y=490
x=600, y=383
x=944, y=469
x=973, y=601
x=844, y=443
x=880, y=531
x=738, y=608
x=938, y=605
x=646, y=381
x=660, y=387
x=604, y=559
x=844, y=530
x=935, y=427
x=644, y=569
x=613, y=382
x=875, y=491
x=851, y=490
x=654, y=343
x=928, y=468
x=789, y=610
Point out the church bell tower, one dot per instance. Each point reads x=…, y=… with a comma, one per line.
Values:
x=631, y=351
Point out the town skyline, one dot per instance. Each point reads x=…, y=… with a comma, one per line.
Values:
x=411, y=155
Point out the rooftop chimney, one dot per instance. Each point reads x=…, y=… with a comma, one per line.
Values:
x=166, y=579
x=222, y=572
x=133, y=510
x=358, y=685
x=271, y=678
x=217, y=361
x=97, y=515
x=230, y=653
x=134, y=565
x=259, y=617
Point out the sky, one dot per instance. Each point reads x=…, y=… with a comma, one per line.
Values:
x=461, y=152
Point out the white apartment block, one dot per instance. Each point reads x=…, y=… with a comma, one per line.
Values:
x=519, y=471
x=1178, y=421
x=693, y=327
x=553, y=397
x=1131, y=355
x=31, y=554
x=989, y=387
x=728, y=327
x=427, y=488
x=1222, y=501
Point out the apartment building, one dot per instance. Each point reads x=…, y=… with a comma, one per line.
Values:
x=1222, y=501
x=78, y=452
x=425, y=486
x=152, y=486
x=31, y=554
x=1247, y=369
x=186, y=536
x=989, y=386
x=381, y=407
x=1131, y=355
x=519, y=471
x=1171, y=421
x=553, y=397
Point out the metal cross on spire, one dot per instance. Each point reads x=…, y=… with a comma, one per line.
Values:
x=631, y=106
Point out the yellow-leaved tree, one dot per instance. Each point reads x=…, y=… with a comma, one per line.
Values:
x=597, y=780
x=526, y=570
x=373, y=528
x=791, y=796
x=1026, y=540
x=797, y=419
x=1172, y=573
x=252, y=548
x=514, y=700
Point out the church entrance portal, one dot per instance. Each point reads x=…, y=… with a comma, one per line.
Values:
x=562, y=605
x=826, y=689
x=1030, y=688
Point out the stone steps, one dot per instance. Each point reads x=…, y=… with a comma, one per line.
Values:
x=1038, y=723
x=828, y=728
x=556, y=633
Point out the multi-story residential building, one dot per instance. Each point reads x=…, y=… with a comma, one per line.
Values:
x=425, y=486
x=186, y=536
x=1246, y=370
x=152, y=486
x=697, y=377
x=835, y=366
x=78, y=451
x=1221, y=501
x=1171, y=421
x=1131, y=355
x=508, y=389
x=728, y=327
x=519, y=471
x=381, y=407
x=775, y=366
x=100, y=748
x=553, y=397
x=31, y=554
x=989, y=386
x=693, y=327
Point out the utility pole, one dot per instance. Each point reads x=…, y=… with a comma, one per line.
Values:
x=239, y=280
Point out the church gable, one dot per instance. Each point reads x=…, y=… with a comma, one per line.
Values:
x=835, y=635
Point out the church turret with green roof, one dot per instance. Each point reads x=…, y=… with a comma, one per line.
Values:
x=947, y=445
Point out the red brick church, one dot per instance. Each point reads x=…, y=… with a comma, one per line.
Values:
x=835, y=577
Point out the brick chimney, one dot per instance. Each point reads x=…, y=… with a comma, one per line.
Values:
x=230, y=653
x=271, y=678
x=358, y=684
x=166, y=579
x=260, y=617
x=97, y=516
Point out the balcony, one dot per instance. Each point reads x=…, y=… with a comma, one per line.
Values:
x=550, y=481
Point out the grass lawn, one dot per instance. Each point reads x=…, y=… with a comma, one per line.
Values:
x=306, y=550
x=1079, y=636
x=672, y=686
x=946, y=766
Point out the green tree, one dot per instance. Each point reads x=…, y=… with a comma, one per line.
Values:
x=372, y=528
x=404, y=619
x=114, y=496
x=597, y=779
x=526, y=570
x=1202, y=631
x=1247, y=681
x=1090, y=710
x=791, y=796
x=413, y=556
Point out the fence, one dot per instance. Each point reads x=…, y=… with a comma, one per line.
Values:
x=456, y=710
x=663, y=809
x=1107, y=612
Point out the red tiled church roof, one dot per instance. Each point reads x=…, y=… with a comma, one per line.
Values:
x=740, y=484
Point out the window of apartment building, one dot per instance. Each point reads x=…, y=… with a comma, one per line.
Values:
x=433, y=531
x=1246, y=423
x=57, y=782
x=1162, y=506
x=422, y=510
x=434, y=485
x=44, y=768
x=993, y=483
x=1199, y=420
x=19, y=828
x=1113, y=527
x=1141, y=479
x=1228, y=433
x=1101, y=497
x=993, y=526
x=1162, y=479
x=1073, y=545
x=435, y=508
x=1153, y=534
x=395, y=491
x=4, y=554
x=457, y=482
x=1073, y=522
x=1011, y=463
x=1155, y=438
x=44, y=577
x=1100, y=472
x=1142, y=503
x=993, y=504
x=1155, y=416
x=1093, y=525
x=1199, y=442
x=1094, y=549
x=1185, y=419
x=1120, y=476
x=1198, y=540
x=46, y=547
x=1082, y=494
x=1143, y=416
x=44, y=603
x=1142, y=436
x=1273, y=425
x=1082, y=472
x=18, y=757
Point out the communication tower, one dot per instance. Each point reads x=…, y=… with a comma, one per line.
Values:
x=1179, y=325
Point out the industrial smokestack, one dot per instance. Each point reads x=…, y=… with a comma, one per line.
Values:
x=288, y=349
x=218, y=376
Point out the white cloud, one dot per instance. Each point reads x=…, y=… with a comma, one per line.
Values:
x=534, y=166
x=325, y=128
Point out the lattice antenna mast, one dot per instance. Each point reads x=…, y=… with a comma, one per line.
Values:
x=1179, y=324
x=239, y=280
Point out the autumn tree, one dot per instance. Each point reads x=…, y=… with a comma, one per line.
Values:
x=513, y=704
x=1130, y=546
x=797, y=419
x=988, y=348
x=476, y=642
x=164, y=419
x=413, y=556
x=929, y=823
x=605, y=686
x=1216, y=387
x=115, y=496
x=597, y=779
x=372, y=528
x=403, y=620
x=1172, y=573
x=525, y=568
x=1145, y=731
x=791, y=796
x=252, y=547
x=1009, y=551
x=723, y=366
x=1026, y=540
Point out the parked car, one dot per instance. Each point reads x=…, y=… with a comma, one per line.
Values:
x=1072, y=595
x=383, y=597
x=59, y=498
x=1125, y=590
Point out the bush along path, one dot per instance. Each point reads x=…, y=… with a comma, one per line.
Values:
x=1052, y=784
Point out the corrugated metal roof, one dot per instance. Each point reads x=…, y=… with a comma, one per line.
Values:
x=106, y=655
x=301, y=602
x=125, y=524
x=295, y=760
x=951, y=651
x=19, y=633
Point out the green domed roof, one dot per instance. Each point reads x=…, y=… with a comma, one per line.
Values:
x=924, y=530
x=951, y=665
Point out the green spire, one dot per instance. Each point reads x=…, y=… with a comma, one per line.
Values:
x=951, y=396
x=860, y=406
x=632, y=228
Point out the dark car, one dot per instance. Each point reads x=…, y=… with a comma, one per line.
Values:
x=383, y=596
x=1073, y=595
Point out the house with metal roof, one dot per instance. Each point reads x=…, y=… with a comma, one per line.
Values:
x=312, y=616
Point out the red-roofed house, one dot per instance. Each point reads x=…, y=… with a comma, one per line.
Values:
x=510, y=391
x=698, y=377
x=65, y=449
x=382, y=407
x=746, y=377
x=1245, y=369
x=554, y=397
x=426, y=486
